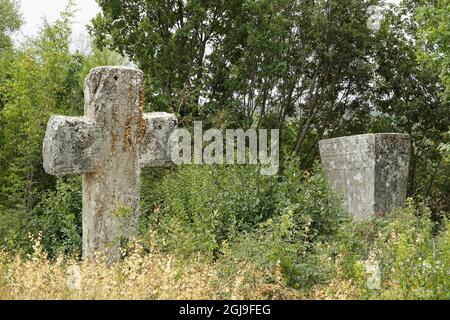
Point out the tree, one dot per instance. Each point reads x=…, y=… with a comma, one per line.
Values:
x=167, y=39
x=247, y=62
x=408, y=97
x=34, y=89
x=434, y=34
x=311, y=68
x=41, y=78
x=10, y=21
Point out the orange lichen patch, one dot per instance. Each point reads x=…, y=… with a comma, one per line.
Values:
x=141, y=126
x=141, y=98
x=141, y=129
x=113, y=143
x=127, y=141
x=130, y=95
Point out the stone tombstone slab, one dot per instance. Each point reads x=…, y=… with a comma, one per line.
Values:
x=370, y=172
x=109, y=145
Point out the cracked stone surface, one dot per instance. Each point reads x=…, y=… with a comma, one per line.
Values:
x=369, y=172
x=109, y=146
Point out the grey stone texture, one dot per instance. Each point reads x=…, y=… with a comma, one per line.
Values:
x=109, y=146
x=369, y=172
x=159, y=126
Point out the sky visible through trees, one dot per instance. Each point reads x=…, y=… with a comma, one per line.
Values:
x=34, y=11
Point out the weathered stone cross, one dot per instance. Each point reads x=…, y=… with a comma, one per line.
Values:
x=109, y=146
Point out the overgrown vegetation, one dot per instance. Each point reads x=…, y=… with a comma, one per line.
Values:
x=310, y=68
x=277, y=261
x=200, y=209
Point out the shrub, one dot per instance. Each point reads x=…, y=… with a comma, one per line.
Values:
x=240, y=215
x=309, y=197
x=57, y=217
x=201, y=207
x=416, y=264
x=412, y=252
x=281, y=245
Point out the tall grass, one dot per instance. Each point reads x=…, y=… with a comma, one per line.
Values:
x=140, y=276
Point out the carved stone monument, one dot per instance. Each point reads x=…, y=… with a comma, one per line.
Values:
x=370, y=172
x=109, y=146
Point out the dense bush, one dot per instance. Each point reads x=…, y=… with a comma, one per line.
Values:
x=56, y=218
x=410, y=249
x=199, y=208
x=281, y=245
x=411, y=252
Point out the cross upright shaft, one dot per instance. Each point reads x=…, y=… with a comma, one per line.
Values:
x=113, y=101
x=109, y=146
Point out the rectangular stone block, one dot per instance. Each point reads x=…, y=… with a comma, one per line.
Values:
x=369, y=172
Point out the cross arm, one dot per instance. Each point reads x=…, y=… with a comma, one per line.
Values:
x=155, y=146
x=70, y=146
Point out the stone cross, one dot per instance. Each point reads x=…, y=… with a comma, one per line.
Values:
x=109, y=146
x=370, y=171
